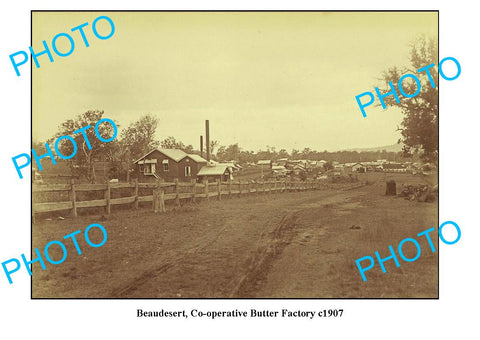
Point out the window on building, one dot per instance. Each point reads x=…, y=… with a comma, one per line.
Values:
x=148, y=166
x=148, y=169
x=165, y=164
x=188, y=171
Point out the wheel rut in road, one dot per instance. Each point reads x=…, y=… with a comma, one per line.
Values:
x=259, y=263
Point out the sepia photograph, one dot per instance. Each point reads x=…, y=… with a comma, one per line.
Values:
x=234, y=154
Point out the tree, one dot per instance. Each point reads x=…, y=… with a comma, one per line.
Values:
x=419, y=127
x=172, y=143
x=296, y=154
x=213, y=145
x=139, y=137
x=228, y=153
x=328, y=166
x=303, y=175
x=283, y=154
x=85, y=155
x=306, y=153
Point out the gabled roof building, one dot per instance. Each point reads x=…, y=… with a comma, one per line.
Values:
x=168, y=165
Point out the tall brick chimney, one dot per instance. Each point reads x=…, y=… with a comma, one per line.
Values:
x=207, y=136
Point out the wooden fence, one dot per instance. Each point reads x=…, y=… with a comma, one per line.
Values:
x=161, y=192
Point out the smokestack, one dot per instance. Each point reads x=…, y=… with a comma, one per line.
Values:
x=207, y=136
x=201, y=146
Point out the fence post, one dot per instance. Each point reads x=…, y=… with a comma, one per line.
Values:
x=162, y=201
x=194, y=189
x=156, y=196
x=229, y=188
x=205, y=182
x=219, y=189
x=158, y=203
x=155, y=201
x=275, y=186
x=177, y=192
x=240, y=188
x=135, y=193
x=107, y=197
x=73, y=198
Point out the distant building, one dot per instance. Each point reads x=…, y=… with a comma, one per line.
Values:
x=265, y=164
x=279, y=171
x=319, y=164
x=234, y=166
x=358, y=167
x=394, y=167
x=36, y=176
x=299, y=166
x=168, y=164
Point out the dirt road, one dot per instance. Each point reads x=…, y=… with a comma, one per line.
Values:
x=274, y=245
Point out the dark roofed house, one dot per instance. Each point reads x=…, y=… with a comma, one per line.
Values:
x=168, y=164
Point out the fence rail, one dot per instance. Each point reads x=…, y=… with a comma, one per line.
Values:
x=159, y=196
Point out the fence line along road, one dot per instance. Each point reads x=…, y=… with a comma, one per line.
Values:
x=160, y=193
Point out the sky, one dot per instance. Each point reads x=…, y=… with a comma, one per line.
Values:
x=280, y=79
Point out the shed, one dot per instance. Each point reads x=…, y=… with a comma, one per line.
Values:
x=265, y=164
x=214, y=172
